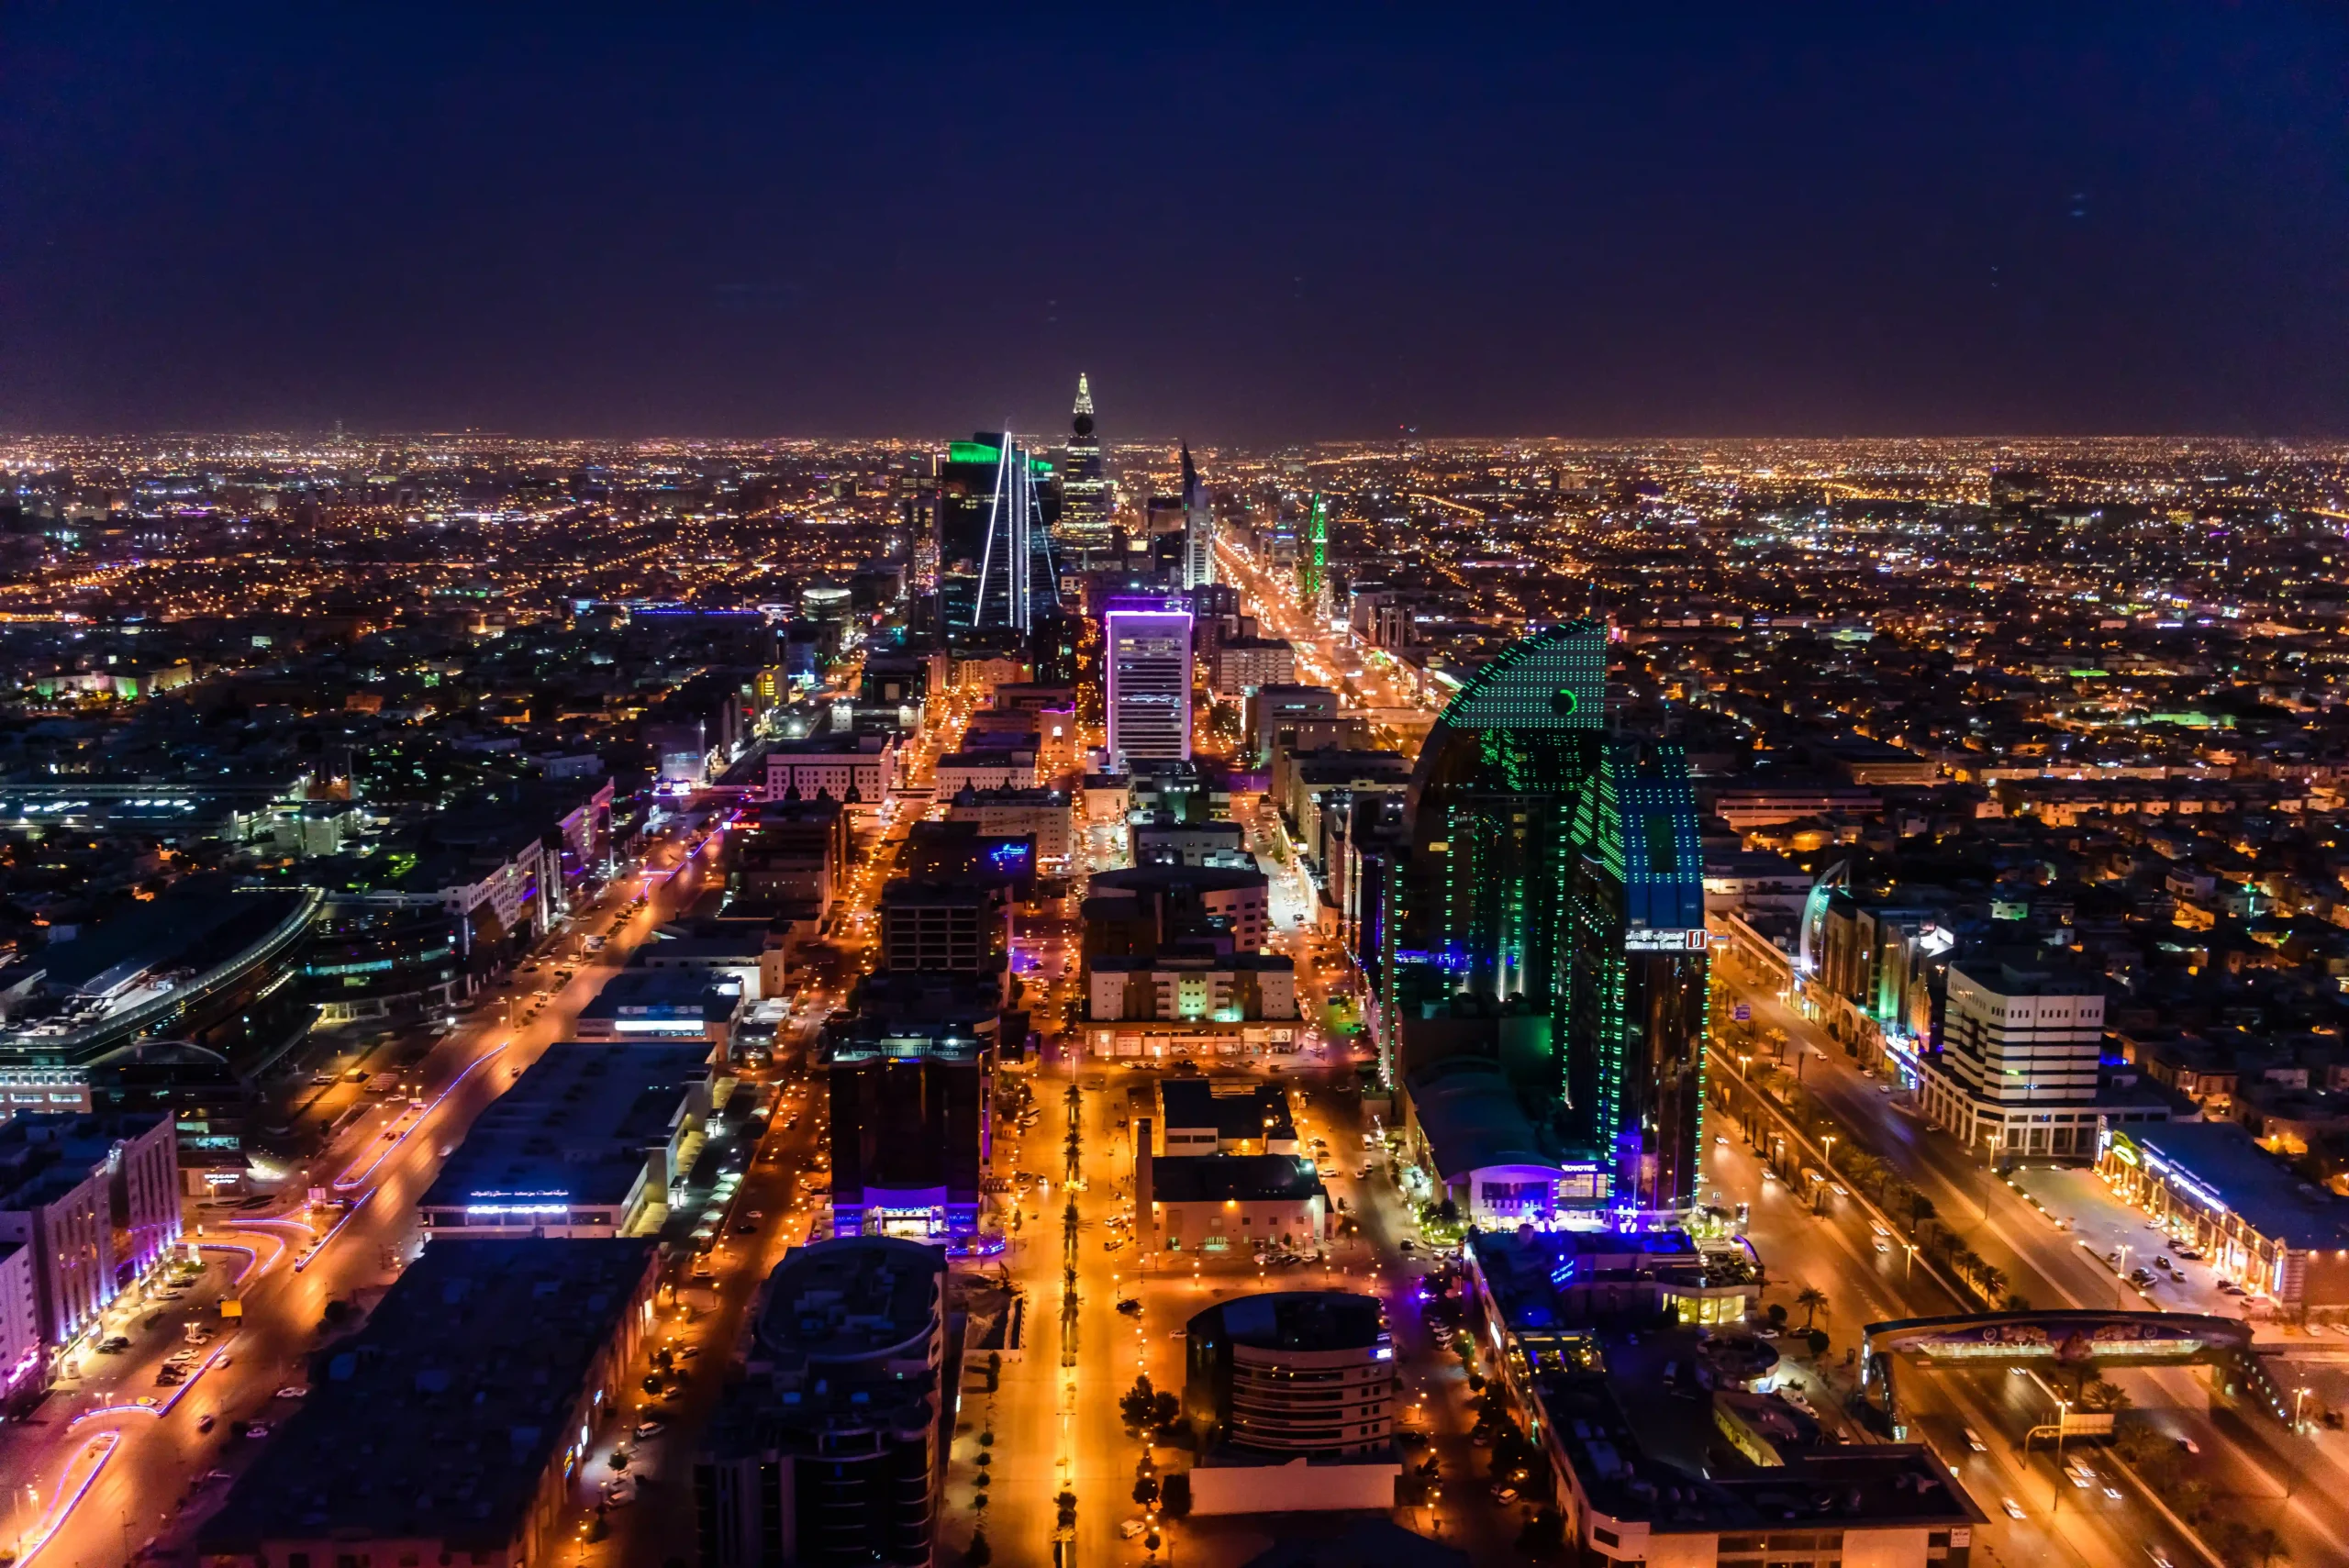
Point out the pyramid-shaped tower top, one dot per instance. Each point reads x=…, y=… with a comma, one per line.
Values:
x=1084, y=395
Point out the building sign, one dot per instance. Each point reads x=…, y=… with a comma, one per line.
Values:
x=1645, y=940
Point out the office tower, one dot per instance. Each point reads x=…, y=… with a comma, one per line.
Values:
x=1148, y=659
x=907, y=1079
x=1313, y=561
x=995, y=557
x=1198, y=527
x=1086, y=498
x=1492, y=805
x=1555, y=872
x=1637, y=964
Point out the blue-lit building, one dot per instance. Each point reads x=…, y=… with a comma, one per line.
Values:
x=1552, y=885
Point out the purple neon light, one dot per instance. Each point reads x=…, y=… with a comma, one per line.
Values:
x=349, y=1214
x=62, y=1509
x=252, y=1256
x=352, y=1177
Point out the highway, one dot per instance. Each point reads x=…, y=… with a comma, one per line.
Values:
x=2243, y=1456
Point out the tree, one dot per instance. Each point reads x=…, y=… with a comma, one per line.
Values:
x=1993, y=1280
x=1139, y=1402
x=1164, y=1409
x=980, y=1553
x=1817, y=1340
x=1065, y=1505
x=1813, y=1301
x=1145, y=1492
x=994, y=1371
x=1777, y=1315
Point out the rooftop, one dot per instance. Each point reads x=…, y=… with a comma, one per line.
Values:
x=1293, y=1320
x=577, y=1124
x=852, y=1299
x=1471, y=1117
x=2222, y=1157
x=1214, y=1178
x=443, y=1416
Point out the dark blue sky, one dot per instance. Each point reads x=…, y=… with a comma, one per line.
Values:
x=1247, y=224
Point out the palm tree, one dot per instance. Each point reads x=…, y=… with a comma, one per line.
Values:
x=1993, y=1282
x=1813, y=1301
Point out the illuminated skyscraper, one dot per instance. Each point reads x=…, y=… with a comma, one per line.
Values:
x=1147, y=660
x=1086, y=498
x=1555, y=872
x=1198, y=527
x=1313, y=561
x=1636, y=967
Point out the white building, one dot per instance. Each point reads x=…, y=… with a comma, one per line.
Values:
x=1148, y=680
x=1246, y=665
x=1044, y=814
x=2016, y=1073
x=834, y=765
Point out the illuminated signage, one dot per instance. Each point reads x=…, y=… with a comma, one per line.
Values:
x=1646, y=940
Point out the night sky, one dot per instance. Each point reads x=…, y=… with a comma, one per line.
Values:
x=1250, y=224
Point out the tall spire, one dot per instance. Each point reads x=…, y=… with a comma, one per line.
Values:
x=1190, y=475
x=1084, y=395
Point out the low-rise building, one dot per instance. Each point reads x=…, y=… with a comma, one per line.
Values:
x=1291, y=1397
x=665, y=1004
x=452, y=1428
x=2210, y=1187
x=586, y=1143
x=1043, y=814
x=1464, y=1125
x=1221, y=1207
x=858, y=771
x=20, y=1337
x=832, y=1450
x=71, y=1185
x=1225, y=1115
x=1637, y=1477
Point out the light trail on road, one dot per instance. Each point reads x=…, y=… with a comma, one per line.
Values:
x=97, y=1451
x=389, y=1146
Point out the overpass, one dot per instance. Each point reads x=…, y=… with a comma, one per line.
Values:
x=2066, y=1339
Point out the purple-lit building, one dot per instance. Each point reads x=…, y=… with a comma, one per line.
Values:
x=1148, y=657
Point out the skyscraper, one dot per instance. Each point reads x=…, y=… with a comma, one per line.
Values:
x=1313, y=561
x=1198, y=527
x=1147, y=660
x=1636, y=964
x=1086, y=498
x=1554, y=872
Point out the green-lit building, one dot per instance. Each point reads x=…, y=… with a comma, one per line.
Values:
x=1554, y=874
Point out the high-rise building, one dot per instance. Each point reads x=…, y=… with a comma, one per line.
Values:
x=1555, y=872
x=1492, y=802
x=1198, y=527
x=995, y=560
x=1637, y=963
x=1147, y=658
x=1087, y=500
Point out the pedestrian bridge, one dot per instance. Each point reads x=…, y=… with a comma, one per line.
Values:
x=2066, y=1339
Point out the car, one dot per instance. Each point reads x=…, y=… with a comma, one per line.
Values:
x=1974, y=1441
x=1882, y=1245
x=256, y=1429
x=2112, y=1492
x=2189, y=1445
x=204, y=1422
x=115, y=1346
x=2159, y=1558
x=214, y=1477
x=1504, y=1493
x=649, y=1430
x=621, y=1491
x=2014, y=1509
x=292, y=1391
x=1128, y=1529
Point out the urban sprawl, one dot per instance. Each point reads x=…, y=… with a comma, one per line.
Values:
x=1057, y=1000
